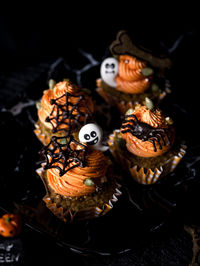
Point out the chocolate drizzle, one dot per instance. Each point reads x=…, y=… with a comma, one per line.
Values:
x=61, y=152
x=68, y=113
x=145, y=132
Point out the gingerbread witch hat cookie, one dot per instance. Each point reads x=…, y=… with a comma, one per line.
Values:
x=132, y=74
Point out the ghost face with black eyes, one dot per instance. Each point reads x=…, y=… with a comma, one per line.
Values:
x=91, y=134
x=109, y=71
x=91, y=138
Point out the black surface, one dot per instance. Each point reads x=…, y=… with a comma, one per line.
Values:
x=26, y=57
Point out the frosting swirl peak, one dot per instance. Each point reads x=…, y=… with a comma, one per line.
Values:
x=130, y=78
x=74, y=98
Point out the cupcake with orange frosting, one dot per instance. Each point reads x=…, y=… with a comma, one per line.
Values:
x=146, y=144
x=131, y=78
x=79, y=180
x=63, y=109
x=131, y=75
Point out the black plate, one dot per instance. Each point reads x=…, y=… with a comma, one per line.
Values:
x=141, y=212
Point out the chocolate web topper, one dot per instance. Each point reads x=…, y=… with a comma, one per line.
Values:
x=67, y=113
x=61, y=152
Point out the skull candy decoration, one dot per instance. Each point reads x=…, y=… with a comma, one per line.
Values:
x=109, y=71
x=91, y=134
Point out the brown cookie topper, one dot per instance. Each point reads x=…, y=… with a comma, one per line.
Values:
x=124, y=45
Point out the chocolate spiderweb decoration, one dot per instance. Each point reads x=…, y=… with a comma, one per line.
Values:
x=66, y=113
x=61, y=152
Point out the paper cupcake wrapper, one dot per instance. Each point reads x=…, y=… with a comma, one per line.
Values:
x=144, y=175
x=83, y=214
x=41, y=136
x=122, y=105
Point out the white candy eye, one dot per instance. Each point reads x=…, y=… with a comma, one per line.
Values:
x=126, y=61
x=86, y=137
x=93, y=134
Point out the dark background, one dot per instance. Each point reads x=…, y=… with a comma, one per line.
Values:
x=29, y=36
x=32, y=34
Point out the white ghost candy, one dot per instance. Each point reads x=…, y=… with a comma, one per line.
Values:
x=109, y=70
x=92, y=135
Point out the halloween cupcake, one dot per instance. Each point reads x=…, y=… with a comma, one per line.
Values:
x=131, y=75
x=79, y=180
x=146, y=145
x=63, y=109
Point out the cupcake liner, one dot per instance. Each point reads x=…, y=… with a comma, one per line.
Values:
x=41, y=136
x=123, y=105
x=68, y=215
x=144, y=175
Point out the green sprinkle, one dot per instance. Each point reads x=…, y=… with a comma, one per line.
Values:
x=147, y=71
x=169, y=120
x=7, y=220
x=52, y=84
x=67, y=80
x=154, y=87
x=129, y=111
x=38, y=104
x=88, y=182
x=149, y=104
x=62, y=141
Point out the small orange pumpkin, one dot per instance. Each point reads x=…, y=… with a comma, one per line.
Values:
x=10, y=225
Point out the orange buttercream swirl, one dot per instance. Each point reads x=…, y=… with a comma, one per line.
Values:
x=147, y=141
x=48, y=110
x=71, y=184
x=130, y=78
x=154, y=118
